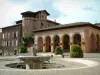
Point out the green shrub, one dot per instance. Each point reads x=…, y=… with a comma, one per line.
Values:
x=58, y=50
x=76, y=51
x=23, y=49
x=27, y=40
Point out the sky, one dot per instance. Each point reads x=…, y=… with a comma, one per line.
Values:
x=63, y=11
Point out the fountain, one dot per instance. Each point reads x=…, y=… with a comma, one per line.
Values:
x=34, y=61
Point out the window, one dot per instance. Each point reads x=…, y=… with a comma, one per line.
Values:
x=16, y=42
x=12, y=34
x=42, y=25
x=3, y=36
x=42, y=16
x=16, y=33
x=8, y=35
x=12, y=42
x=3, y=43
x=9, y=43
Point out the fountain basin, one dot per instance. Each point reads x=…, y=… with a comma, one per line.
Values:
x=34, y=62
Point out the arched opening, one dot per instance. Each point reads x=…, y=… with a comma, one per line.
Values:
x=77, y=39
x=92, y=42
x=48, y=46
x=97, y=43
x=66, y=46
x=56, y=41
x=40, y=44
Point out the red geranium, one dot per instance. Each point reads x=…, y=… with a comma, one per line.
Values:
x=70, y=43
x=60, y=43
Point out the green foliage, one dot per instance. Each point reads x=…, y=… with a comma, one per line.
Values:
x=76, y=51
x=23, y=49
x=27, y=39
x=58, y=50
x=25, y=42
x=21, y=44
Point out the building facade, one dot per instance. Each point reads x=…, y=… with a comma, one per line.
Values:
x=49, y=34
x=11, y=35
x=85, y=34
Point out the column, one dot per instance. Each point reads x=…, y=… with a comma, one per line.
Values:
x=52, y=44
x=71, y=40
x=83, y=44
x=86, y=41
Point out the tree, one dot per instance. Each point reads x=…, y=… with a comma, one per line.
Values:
x=26, y=42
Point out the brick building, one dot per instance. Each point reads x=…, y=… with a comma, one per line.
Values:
x=11, y=35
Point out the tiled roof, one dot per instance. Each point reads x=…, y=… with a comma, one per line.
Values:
x=19, y=21
x=43, y=11
x=70, y=25
x=10, y=26
x=28, y=12
x=77, y=23
x=97, y=23
x=34, y=13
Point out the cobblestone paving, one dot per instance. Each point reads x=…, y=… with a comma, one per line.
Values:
x=84, y=71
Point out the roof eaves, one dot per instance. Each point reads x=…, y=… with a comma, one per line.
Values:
x=66, y=26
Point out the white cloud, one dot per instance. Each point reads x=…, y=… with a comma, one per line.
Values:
x=9, y=13
x=63, y=19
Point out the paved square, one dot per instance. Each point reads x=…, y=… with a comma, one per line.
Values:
x=72, y=68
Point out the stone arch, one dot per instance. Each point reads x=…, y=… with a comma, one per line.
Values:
x=97, y=43
x=92, y=42
x=77, y=39
x=56, y=40
x=48, y=42
x=40, y=44
x=66, y=40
